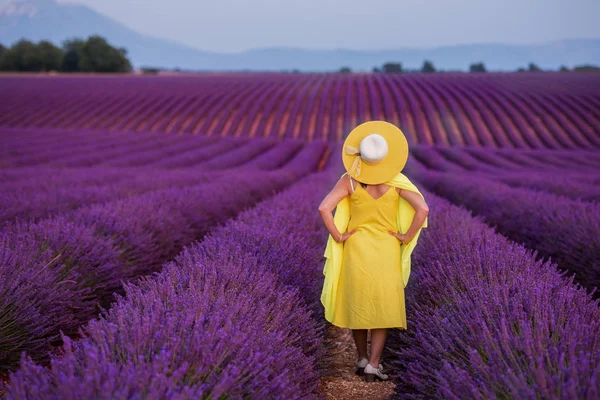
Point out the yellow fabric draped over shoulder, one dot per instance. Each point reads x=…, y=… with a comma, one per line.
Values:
x=334, y=250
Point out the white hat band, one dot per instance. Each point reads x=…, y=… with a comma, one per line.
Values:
x=372, y=150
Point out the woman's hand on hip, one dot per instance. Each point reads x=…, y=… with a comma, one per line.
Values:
x=345, y=236
x=402, y=237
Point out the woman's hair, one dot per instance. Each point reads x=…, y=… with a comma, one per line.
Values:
x=361, y=183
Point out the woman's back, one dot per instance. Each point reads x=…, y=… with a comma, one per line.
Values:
x=374, y=214
x=371, y=288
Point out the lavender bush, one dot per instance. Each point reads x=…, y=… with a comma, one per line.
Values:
x=44, y=196
x=566, y=230
x=101, y=245
x=568, y=184
x=228, y=317
x=487, y=319
x=277, y=156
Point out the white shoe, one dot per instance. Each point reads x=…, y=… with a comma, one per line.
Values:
x=360, y=366
x=372, y=373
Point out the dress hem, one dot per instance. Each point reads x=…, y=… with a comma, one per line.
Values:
x=384, y=327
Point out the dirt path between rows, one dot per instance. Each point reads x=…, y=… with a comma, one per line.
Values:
x=342, y=383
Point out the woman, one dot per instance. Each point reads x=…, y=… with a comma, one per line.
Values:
x=378, y=219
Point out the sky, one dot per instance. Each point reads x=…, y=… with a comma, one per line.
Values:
x=237, y=25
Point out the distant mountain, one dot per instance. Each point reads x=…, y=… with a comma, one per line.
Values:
x=45, y=19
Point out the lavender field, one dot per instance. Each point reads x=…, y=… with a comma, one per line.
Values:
x=159, y=235
x=538, y=111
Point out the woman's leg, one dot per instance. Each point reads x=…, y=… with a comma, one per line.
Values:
x=360, y=339
x=378, y=337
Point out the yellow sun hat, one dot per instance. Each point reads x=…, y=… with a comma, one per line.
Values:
x=374, y=152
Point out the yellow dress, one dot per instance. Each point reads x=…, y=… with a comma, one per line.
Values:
x=370, y=291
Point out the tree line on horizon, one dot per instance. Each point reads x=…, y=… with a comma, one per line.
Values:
x=428, y=67
x=93, y=54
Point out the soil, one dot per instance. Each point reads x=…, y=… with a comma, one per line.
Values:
x=3, y=378
x=341, y=382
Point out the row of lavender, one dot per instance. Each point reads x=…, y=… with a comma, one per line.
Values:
x=489, y=319
x=26, y=148
x=230, y=317
x=54, y=172
x=567, y=230
x=82, y=231
x=555, y=111
x=236, y=315
x=110, y=150
x=56, y=273
x=43, y=192
x=553, y=209
x=477, y=159
x=573, y=174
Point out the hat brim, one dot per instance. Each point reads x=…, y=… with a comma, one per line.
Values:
x=391, y=165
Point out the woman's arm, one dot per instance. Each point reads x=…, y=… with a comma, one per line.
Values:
x=330, y=202
x=421, y=212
